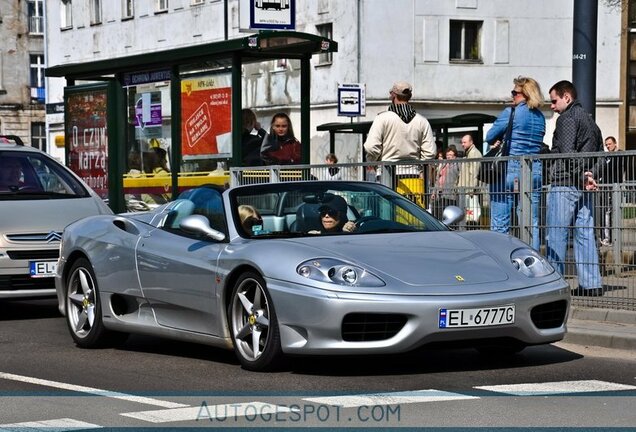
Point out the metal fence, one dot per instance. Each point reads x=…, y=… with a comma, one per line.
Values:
x=524, y=200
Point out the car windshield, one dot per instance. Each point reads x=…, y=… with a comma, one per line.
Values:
x=333, y=208
x=30, y=175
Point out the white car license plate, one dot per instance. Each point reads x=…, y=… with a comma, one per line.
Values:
x=480, y=317
x=42, y=269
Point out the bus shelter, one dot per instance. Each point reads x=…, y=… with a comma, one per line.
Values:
x=142, y=128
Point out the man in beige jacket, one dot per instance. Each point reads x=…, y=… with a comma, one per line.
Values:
x=400, y=133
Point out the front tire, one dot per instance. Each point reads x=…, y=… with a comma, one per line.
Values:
x=84, y=310
x=253, y=324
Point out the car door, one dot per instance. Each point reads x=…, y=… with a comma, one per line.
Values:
x=177, y=272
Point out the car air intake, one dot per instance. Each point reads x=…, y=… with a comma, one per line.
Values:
x=366, y=327
x=33, y=254
x=549, y=315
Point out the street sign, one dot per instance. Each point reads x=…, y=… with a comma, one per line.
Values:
x=267, y=15
x=351, y=100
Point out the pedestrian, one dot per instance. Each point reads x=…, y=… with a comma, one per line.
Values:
x=280, y=146
x=446, y=182
x=612, y=170
x=526, y=138
x=468, y=182
x=570, y=197
x=333, y=172
x=400, y=134
x=251, y=139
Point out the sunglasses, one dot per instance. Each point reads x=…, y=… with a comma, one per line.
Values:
x=332, y=213
x=515, y=93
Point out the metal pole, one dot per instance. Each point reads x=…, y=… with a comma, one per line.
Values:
x=584, y=52
x=225, y=18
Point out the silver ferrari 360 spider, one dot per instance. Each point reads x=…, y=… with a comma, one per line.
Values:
x=305, y=268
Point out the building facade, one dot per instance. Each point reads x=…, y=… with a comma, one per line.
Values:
x=22, y=66
x=460, y=55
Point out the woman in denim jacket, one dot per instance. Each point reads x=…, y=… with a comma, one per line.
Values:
x=528, y=129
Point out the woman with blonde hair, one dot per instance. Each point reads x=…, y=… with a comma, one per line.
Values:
x=520, y=129
x=251, y=219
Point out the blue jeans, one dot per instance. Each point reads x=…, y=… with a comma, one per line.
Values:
x=503, y=197
x=565, y=205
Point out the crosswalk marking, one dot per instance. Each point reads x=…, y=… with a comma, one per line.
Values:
x=91, y=390
x=59, y=425
x=557, y=387
x=208, y=412
x=417, y=396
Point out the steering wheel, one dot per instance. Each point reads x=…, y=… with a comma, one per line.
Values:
x=364, y=219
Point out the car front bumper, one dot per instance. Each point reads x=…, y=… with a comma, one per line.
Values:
x=311, y=320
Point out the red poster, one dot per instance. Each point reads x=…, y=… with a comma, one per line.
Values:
x=206, y=117
x=88, y=138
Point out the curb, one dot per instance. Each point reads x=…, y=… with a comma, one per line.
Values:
x=602, y=327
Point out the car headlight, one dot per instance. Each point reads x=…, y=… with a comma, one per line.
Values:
x=530, y=263
x=338, y=272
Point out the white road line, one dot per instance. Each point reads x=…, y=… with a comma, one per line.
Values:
x=91, y=390
x=59, y=425
x=417, y=396
x=558, y=387
x=209, y=412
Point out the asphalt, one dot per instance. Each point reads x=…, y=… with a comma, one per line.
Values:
x=606, y=328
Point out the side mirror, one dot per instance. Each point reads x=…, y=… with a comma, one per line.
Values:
x=197, y=224
x=452, y=215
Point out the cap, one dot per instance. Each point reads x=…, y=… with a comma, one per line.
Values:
x=335, y=203
x=402, y=88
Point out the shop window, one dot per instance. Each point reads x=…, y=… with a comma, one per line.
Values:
x=326, y=31
x=465, y=41
x=127, y=9
x=96, y=11
x=66, y=16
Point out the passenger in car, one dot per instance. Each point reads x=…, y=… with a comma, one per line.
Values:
x=251, y=219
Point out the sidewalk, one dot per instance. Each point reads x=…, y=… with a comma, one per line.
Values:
x=606, y=328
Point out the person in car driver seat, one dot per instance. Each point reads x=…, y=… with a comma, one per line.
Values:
x=333, y=217
x=10, y=173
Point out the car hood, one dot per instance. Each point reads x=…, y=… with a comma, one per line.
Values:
x=43, y=216
x=422, y=259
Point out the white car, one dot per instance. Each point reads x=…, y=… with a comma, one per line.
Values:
x=38, y=198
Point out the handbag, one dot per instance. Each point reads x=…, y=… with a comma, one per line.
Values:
x=493, y=169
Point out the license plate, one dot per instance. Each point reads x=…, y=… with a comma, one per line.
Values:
x=480, y=317
x=42, y=269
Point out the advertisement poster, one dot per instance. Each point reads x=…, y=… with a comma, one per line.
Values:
x=87, y=153
x=206, y=116
x=148, y=119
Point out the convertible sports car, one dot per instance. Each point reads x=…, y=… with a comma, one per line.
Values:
x=254, y=268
